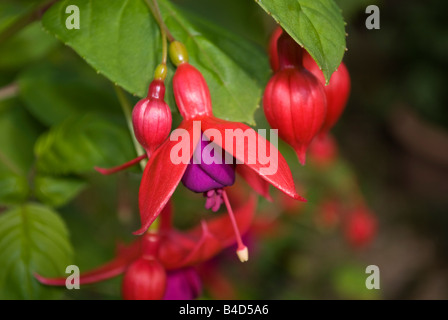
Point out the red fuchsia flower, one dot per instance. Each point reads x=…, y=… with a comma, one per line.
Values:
x=157, y=266
x=207, y=174
x=294, y=100
x=151, y=119
x=361, y=227
x=337, y=91
x=162, y=175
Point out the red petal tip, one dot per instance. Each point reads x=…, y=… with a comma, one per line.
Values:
x=101, y=170
x=140, y=231
x=49, y=281
x=300, y=198
x=301, y=154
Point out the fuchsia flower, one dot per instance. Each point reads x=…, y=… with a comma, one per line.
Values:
x=159, y=265
x=337, y=91
x=294, y=100
x=162, y=175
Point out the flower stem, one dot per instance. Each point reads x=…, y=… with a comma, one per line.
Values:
x=127, y=110
x=155, y=10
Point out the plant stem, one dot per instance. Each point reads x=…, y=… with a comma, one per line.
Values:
x=127, y=110
x=164, y=47
x=155, y=10
x=24, y=21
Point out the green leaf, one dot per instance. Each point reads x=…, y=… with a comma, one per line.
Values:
x=33, y=239
x=317, y=25
x=52, y=93
x=121, y=40
x=57, y=191
x=18, y=133
x=13, y=188
x=29, y=45
x=78, y=144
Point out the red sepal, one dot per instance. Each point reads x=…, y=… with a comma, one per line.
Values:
x=281, y=179
x=161, y=177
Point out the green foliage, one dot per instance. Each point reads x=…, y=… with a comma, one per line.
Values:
x=317, y=25
x=31, y=44
x=33, y=239
x=17, y=135
x=52, y=93
x=122, y=41
x=80, y=143
x=57, y=191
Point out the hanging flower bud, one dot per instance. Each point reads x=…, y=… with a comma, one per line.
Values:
x=294, y=100
x=151, y=116
x=145, y=278
x=361, y=228
x=337, y=91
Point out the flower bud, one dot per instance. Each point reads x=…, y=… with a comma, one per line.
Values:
x=191, y=92
x=337, y=91
x=294, y=100
x=145, y=279
x=151, y=118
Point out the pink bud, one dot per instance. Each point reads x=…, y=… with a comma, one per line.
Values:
x=337, y=90
x=191, y=92
x=151, y=118
x=294, y=100
x=145, y=279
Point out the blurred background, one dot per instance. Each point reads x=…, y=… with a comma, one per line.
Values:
x=392, y=162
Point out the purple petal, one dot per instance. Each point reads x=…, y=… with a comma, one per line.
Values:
x=183, y=284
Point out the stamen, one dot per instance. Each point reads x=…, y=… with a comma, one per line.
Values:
x=121, y=167
x=214, y=199
x=242, y=251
